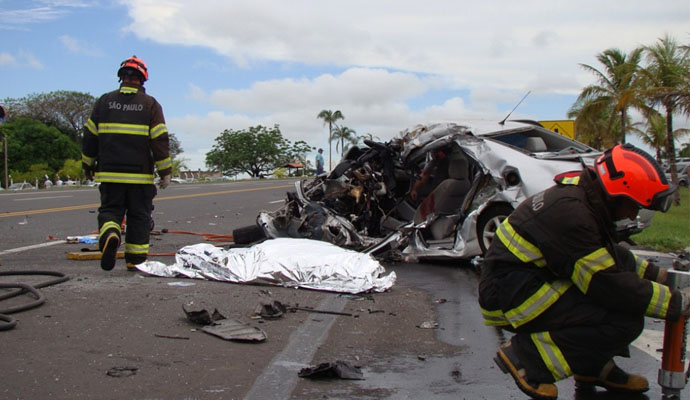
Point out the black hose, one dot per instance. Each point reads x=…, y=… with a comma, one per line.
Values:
x=25, y=288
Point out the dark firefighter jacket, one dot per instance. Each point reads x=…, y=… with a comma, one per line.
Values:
x=125, y=137
x=560, y=240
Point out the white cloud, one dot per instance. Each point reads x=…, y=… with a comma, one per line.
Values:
x=22, y=59
x=7, y=59
x=34, y=12
x=355, y=86
x=78, y=46
x=374, y=105
x=392, y=54
x=501, y=45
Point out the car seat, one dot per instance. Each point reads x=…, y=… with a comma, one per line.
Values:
x=446, y=199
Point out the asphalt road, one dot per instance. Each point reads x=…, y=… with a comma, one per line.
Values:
x=123, y=335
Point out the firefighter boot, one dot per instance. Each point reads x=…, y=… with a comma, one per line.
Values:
x=614, y=379
x=110, y=241
x=508, y=362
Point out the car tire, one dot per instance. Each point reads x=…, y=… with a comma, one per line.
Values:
x=488, y=222
x=248, y=234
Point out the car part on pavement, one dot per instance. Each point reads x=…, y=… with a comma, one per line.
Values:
x=234, y=330
x=338, y=369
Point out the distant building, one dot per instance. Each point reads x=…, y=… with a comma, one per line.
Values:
x=200, y=175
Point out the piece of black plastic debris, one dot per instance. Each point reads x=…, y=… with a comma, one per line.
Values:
x=121, y=372
x=339, y=369
x=234, y=330
x=202, y=317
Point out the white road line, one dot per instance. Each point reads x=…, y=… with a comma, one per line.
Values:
x=34, y=246
x=275, y=201
x=280, y=377
x=41, y=198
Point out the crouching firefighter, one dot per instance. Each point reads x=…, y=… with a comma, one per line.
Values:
x=124, y=140
x=556, y=277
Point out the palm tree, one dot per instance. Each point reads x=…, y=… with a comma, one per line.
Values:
x=618, y=87
x=345, y=134
x=595, y=126
x=667, y=71
x=654, y=135
x=330, y=117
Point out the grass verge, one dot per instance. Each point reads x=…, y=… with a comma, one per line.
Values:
x=669, y=231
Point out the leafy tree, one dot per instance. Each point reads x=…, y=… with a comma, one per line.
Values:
x=596, y=126
x=68, y=111
x=344, y=134
x=30, y=140
x=618, y=87
x=685, y=151
x=178, y=164
x=330, y=117
x=256, y=151
x=667, y=71
x=71, y=168
x=175, y=146
x=655, y=134
x=35, y=173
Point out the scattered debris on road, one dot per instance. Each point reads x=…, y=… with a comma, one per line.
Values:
x=338, y=369
x=234, y=330
x=122, y=372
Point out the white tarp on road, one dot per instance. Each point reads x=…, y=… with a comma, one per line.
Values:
x=303, y=263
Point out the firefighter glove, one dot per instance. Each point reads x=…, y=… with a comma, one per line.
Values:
x=165, y=181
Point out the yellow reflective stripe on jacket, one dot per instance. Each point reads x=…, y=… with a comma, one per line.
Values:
x=91, y=126
x=641, y=266
x=573, y=180
x=121, y=177
x=128, y=90
x=658, y=305
x=164, y=163
x=537, y=303
x=123, y=129
x=587, y=266
x=158, y=130
x=519, y=246
x=136, y=248
x=109, y=225
x=90, y=161
x=551, y=355
x=494, y=317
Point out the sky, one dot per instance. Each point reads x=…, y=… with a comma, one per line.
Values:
x=387, y=65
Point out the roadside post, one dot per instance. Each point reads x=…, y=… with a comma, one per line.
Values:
x=3, y=116
x=672, y=376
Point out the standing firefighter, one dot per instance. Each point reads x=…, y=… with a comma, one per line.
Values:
x=556, y=277
x=124, y=139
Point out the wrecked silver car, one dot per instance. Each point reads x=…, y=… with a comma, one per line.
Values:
x=436, y=192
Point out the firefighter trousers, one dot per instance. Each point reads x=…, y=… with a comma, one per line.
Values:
x=135, y=201
x=575, y=336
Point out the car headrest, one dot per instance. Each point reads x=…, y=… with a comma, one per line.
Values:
x=535, y=144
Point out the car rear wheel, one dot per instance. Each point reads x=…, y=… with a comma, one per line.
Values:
x=488, y=223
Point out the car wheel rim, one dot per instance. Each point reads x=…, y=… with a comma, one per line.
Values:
x=490, y=229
